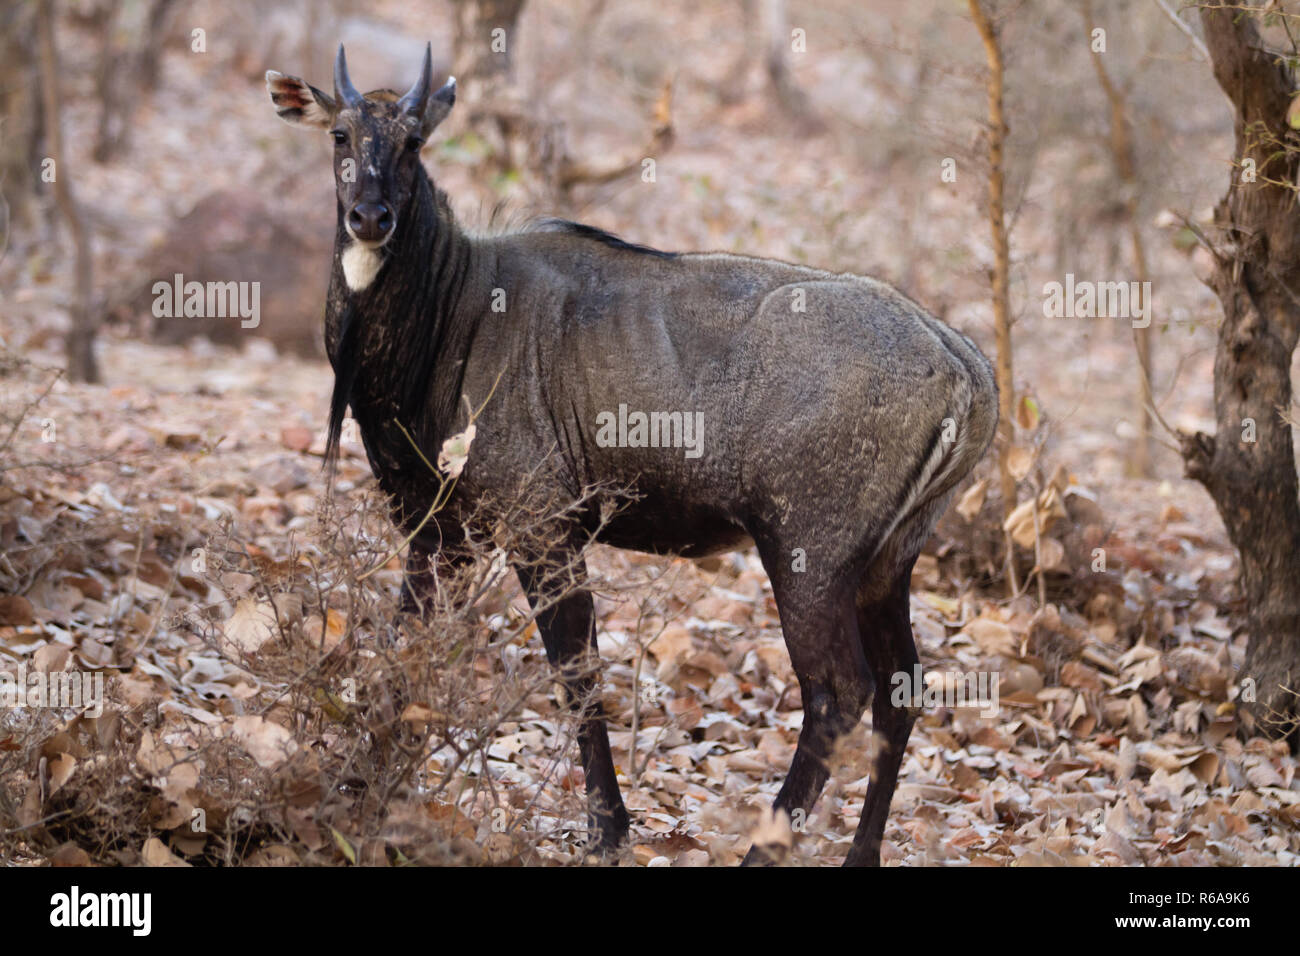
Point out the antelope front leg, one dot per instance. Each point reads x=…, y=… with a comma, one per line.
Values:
x=427, y=564
x=567, y=621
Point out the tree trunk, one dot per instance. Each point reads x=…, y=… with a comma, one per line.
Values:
x=108, y=130
x=477, y=63
x=19, y=122
x=997, y=133
x=80, y=343
x=128, y=73
x=150, y=53
x=733, y=87
x=1248, y=465
x=1124, y=156
x=483, y=51
x=776, y=60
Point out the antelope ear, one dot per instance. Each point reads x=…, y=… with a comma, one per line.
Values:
x=440, y=104
x=298, y=103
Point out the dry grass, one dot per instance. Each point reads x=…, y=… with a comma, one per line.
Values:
x=351, y=732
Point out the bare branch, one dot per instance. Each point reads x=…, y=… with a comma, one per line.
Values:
x=1197, y=42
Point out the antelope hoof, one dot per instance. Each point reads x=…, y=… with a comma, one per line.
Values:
x=608, y=832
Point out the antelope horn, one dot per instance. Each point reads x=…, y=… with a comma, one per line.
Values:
x=417, y=97
x=344, y=91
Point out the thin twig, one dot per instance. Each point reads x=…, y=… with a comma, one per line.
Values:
x=1197, y=42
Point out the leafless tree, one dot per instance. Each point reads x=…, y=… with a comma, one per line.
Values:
x=80, y=346
x=1248, y=465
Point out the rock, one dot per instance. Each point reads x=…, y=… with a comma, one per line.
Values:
x=233, y=234
x=296, y=437
x=282, y=474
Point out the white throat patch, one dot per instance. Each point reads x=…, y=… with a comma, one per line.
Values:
x=360, y=266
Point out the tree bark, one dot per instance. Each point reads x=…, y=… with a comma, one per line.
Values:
x=80, y=342
x=128, y=73
x=477, y=65
x=108, y=131
x=997, y=132
x=149, y=55
x=19, y=122
x=1124, y=156
x=485, y=89
x=1257, y=275
x=776, y=60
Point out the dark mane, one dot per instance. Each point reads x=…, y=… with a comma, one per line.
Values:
x=600, y=235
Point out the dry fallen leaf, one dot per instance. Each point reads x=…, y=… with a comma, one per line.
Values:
x=250, y=625
x=455, y=452
x=1019, y=462
x=1020, y=523
x=992, y=637
x=156, y=853
x=773, y=834
x=326, y=634
x=1027, y=413
x=1052, y=554
x=972, y=499
x=668, y=648
x=266, y=742
x=60, y=771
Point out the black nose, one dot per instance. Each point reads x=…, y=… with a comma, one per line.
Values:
x=370, y=221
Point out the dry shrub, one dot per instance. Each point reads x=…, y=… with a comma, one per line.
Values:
x=970, y=545
x=339, y=730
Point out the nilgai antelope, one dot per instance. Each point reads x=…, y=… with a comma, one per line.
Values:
x=832, y=418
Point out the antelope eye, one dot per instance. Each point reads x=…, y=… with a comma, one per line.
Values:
x=413, y=144
x=340, y=137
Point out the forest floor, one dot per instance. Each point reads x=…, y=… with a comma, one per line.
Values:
x=1101, y=750
x=1115, y=741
